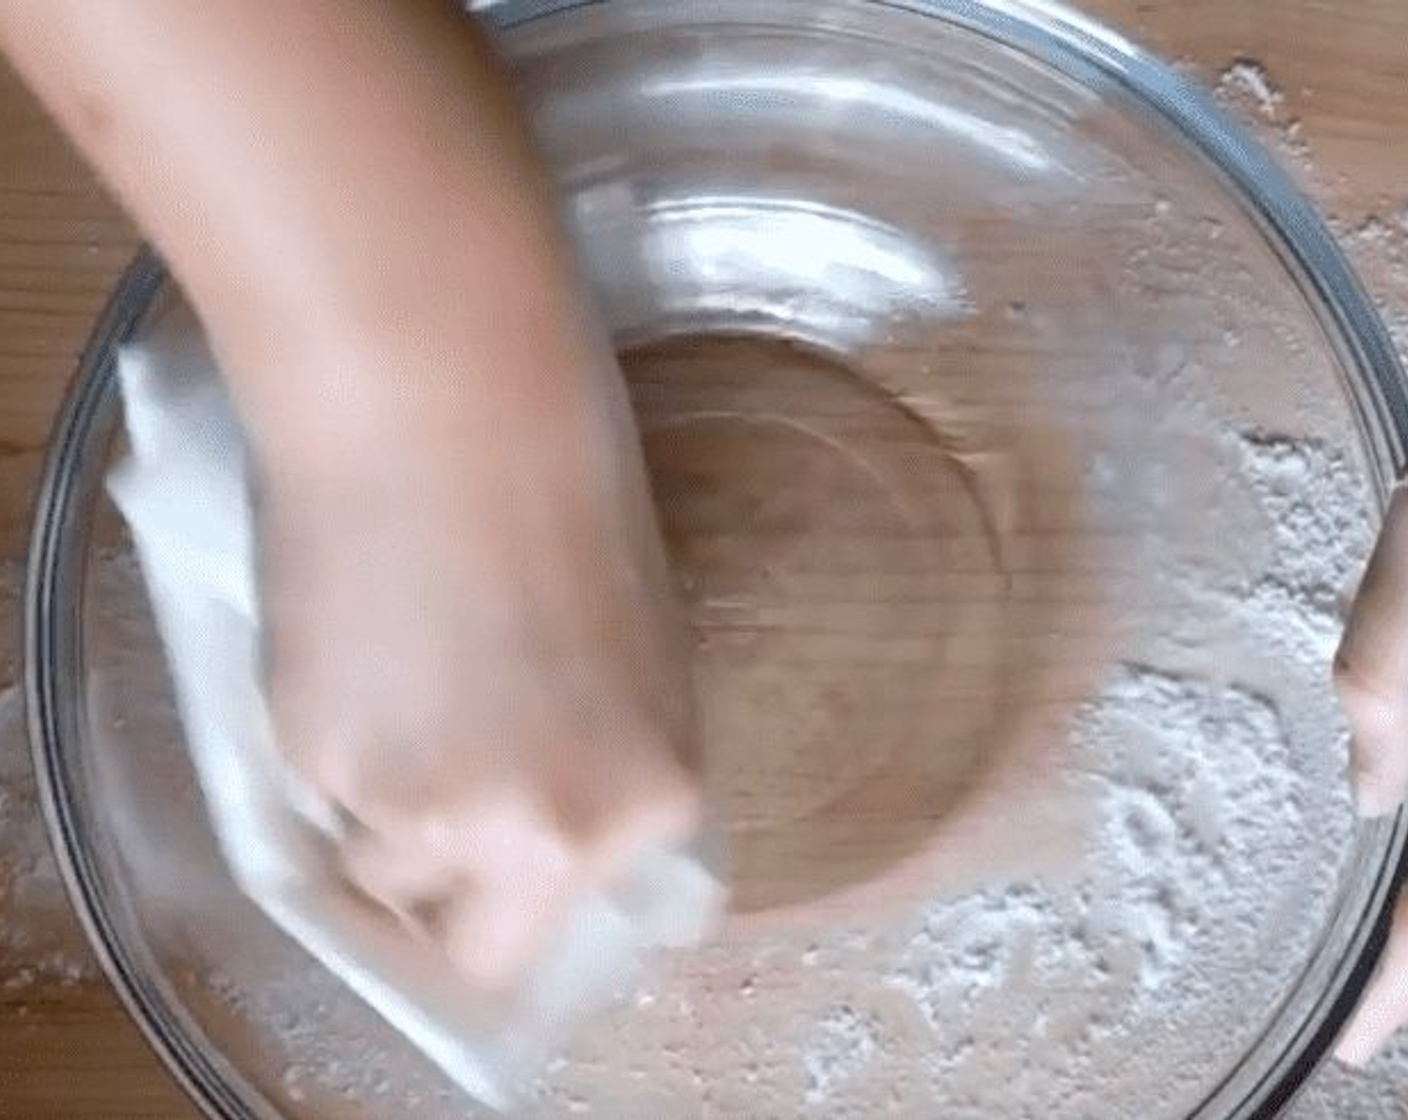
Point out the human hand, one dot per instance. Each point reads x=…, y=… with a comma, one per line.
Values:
x=470, y=638
x=473, y=648
x=1371, y=677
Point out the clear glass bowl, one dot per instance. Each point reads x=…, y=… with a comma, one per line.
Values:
x=1017, y=430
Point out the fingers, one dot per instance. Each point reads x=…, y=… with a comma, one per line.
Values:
x=1371, y=669
x=615, y=803
x=490, y=880
x=1384, y=1007
x=493, y=929
x=1371, y=677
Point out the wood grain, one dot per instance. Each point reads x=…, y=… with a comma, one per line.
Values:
x=69, y=1051
x=62, y=244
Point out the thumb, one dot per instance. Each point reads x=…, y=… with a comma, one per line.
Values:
x=1384, y=1007
x=1371, y=669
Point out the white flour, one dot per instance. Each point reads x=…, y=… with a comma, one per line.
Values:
x=1246, y=78
x=1248, y=90
x=845, y=1042
x=39, y=943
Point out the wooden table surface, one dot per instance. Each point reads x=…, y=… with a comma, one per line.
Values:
x=1336, y=109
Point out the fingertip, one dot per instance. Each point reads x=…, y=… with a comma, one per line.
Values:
x=1357, y=1045
x=492, y=934
x=1378, y=728
x=1376, y=796
x=1372, y=804
x=1377, y=776
x=1383, y=1008
x=1381, y=1011
x=666, y=815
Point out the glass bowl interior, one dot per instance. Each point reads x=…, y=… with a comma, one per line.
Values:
x=1016, y=434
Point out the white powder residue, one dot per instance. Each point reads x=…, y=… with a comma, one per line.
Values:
x=1247, y=78
x=1313, y=532
x=330, y=1062
x=39, y=941
x=846, y=1042
x=1199, y=788
x=1319, y=528
x=1378, y=247
x=969, y=946
x=1245, y=87
x=1197, y=794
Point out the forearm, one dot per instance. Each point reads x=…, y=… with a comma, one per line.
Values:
x=330, y=180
